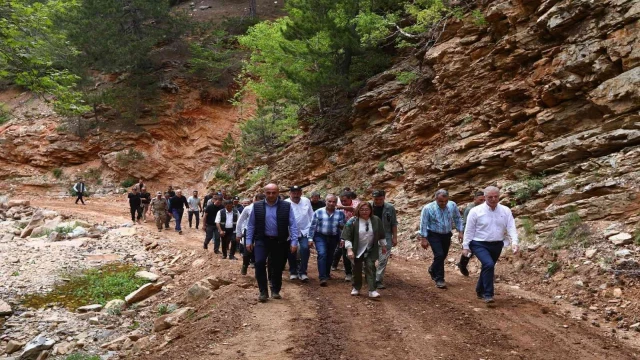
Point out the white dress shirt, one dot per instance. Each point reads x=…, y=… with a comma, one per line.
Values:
x=228, y=224
x=486, y=224
x=243, y=220
x=303, y=211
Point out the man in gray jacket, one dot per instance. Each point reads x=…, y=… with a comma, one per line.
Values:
x=387, y=213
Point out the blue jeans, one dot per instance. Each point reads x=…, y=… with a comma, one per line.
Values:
x=177, y=216
x=488, y=254
x=325, y=245
x=300, y=267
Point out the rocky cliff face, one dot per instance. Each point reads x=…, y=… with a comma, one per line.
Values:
x=548, y=90
x=177, y=147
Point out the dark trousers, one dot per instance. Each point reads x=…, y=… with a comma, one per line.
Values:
x=80, y=195
x=197, y=214
x=488, y=254
x=274, y=251
x=229, y=239
x=341, y=252
x=211, y=232
x=135, y=210
x=247, y=257
x=440, y=244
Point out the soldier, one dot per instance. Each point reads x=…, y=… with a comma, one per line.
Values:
x=159, y=207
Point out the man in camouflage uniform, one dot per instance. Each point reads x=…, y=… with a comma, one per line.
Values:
x=159, y=207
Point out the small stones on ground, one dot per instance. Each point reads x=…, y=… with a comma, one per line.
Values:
x=621, y=239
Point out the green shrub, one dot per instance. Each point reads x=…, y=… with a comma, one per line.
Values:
x=166, y=309
x=478, y=18
x=57, y=173
x=381, y=165
x=406, y=77
x=527, y=187
x=127, y=183
x=5, y=114
x=81, y=356
x=571, y=230
x=64, y=229
x=94, y=174
x=257, y=175
x=128, y=157
x=92, y=286
x=636, y=236
x=223, y=176
x=529, y=228
x=553, y=267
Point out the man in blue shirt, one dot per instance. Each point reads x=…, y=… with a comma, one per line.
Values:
x=325, y=232
x=268, y=232
x=436, y=221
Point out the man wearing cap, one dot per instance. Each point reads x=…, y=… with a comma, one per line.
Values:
x=303, y=211
x=159, y=208
x=271, y=223
x=236, y=204
x=387, y=213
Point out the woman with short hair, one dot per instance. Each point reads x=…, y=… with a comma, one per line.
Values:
x=362, y=236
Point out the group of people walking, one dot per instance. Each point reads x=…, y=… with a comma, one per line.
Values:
x=272, y=230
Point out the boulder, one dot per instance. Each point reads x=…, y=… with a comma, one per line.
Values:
x=37, y=220
x=13, y=346
x=620, y=94
x=590, y=253
x=54, y=236
x=217, y=282
x=623, y=253
x=88, y=308
x=198, y=291
x=143, y=292
x=621, y=239
x=14, y=203
x=115, y=304
x=78, y=231
x=169, y=320
x=5, y=309
x=147, y=275
x=35, y=347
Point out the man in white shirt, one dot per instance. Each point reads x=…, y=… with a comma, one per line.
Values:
x=248, y=258
x=303, y=211
x=195, y=207
x=226, y=221
x=484, y=235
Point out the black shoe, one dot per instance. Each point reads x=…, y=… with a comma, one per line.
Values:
x=433, y=277
x=488, y=300
x=479, y=295
x=440, y=284
x=275, y=295
x=462, y=265
x=244, y=270
x=224, y=256
x=216, y=251
x=263, y=297
x=233, y=257
x=323, y=283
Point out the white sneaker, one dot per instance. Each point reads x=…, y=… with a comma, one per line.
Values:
x=304, y=278
x=355, y=292
x=293, y=277
x=374, y=294
x=348, y=278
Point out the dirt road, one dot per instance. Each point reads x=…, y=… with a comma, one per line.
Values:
x=413, y=320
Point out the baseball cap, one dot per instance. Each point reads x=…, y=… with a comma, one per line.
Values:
x=159, y=193
x=295, y=188
x=236, y=198
x=377, y=193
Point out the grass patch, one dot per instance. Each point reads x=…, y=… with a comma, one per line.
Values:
x=94, y=174
x=381, y=165
x=128, y=157
x=553, y=267
x=92, y=286
x=5, y=114
x=571, y=230
x=636, y=236
x=406, y=77
x=15, y=273
x=529, y=229
x=57, y=173
x=223, y=176
x=164, y=309
x=81, y=356
x=68, y=229
x=256, y=176
x=527, y=187
x=127, y=183
x=134, y=326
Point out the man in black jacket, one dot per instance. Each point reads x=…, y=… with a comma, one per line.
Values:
x=270, y=224
x=226, y=221
x=209, y=220
x=135, y=205
x=177, y=204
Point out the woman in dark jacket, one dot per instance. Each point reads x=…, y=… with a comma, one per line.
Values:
x=362, y=236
